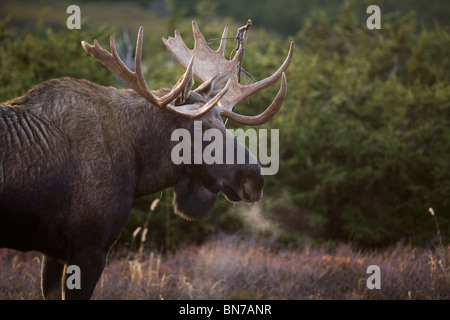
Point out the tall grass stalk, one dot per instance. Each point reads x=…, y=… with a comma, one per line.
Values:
x=442, y=261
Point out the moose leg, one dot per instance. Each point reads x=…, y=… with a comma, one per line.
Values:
x=51, y=276
x=90, y=267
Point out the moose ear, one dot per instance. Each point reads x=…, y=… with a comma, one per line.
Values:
x=213, y=86
x=184, y=95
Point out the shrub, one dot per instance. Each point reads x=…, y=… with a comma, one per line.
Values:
x=27, y=59
x=365, y=129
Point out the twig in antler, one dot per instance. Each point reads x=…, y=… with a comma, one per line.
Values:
x=240, y=42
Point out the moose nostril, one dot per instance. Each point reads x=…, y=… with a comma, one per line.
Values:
x=251, y=192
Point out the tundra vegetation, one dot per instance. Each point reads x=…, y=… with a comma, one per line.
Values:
x=364, y=154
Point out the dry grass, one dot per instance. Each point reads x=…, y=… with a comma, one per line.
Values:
x=235, y=268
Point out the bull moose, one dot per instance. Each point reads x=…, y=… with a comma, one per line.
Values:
x=74, y=155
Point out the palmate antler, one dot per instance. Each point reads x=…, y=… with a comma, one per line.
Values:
x=135, y=79
x=209, y=63
x=203, y=63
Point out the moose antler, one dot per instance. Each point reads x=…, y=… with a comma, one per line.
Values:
x=135, y=79
x=208, y=63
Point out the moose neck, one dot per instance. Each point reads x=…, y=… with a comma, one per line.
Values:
x=149, y=132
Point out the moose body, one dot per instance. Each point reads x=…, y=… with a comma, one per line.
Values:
x=72, y=160
x=74, y=155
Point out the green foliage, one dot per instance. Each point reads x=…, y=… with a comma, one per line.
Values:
x=366, y=128
x=288, y=16
x=29, y=59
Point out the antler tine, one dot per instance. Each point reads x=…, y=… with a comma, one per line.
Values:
x=135, y=80
x=243, y=92
x=263, y=117
x=223, y=41
x=198, y=37
x=208, y=63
